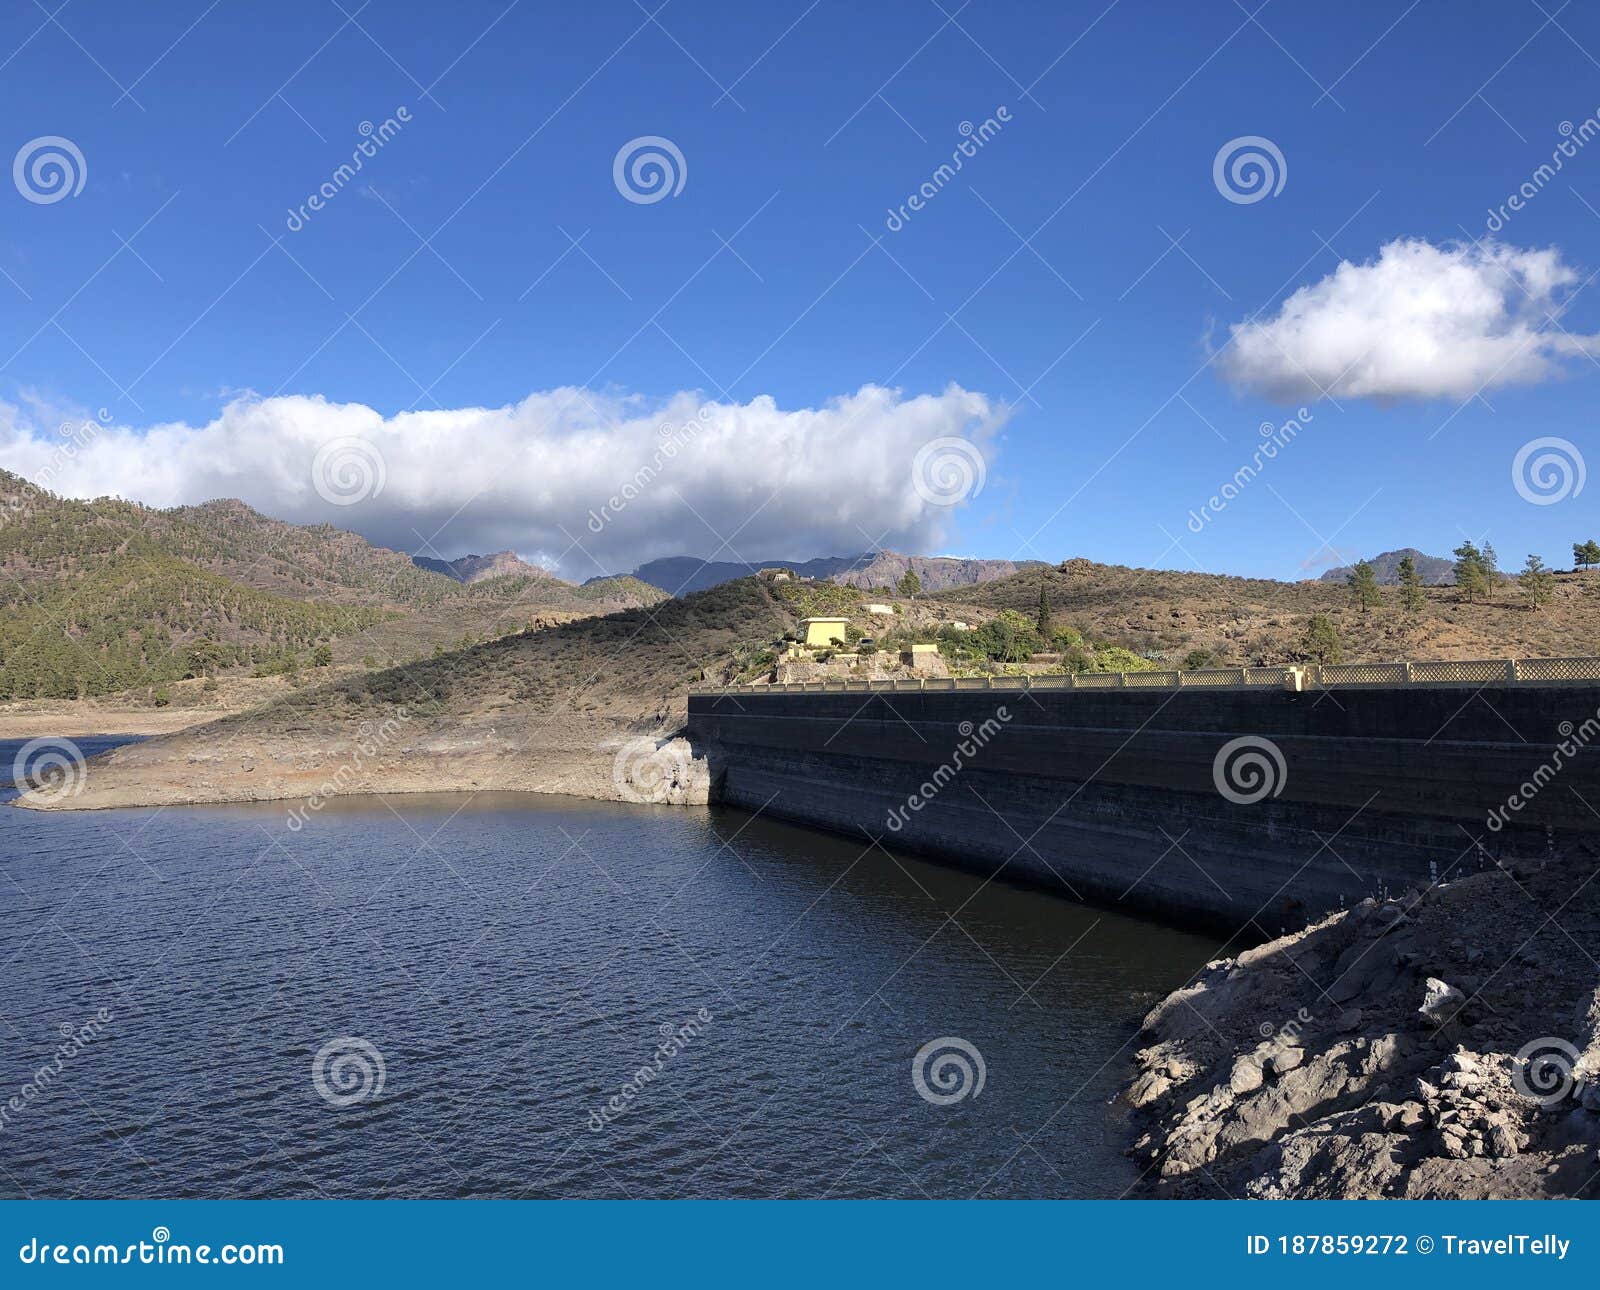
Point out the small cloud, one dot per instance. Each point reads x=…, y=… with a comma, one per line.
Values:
x=1421, y=321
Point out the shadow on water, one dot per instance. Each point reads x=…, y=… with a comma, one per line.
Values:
x=490, y=981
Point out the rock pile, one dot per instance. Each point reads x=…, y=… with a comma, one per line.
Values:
x=1444, y=1044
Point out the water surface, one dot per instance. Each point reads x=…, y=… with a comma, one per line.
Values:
x=512, y=961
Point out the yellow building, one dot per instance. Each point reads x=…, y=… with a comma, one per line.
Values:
x=822, y=632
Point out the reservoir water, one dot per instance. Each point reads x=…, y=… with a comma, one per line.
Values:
x=511, y=995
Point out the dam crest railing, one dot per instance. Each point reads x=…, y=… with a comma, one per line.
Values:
x=1524, y=671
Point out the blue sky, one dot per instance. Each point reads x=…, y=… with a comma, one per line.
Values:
x=1043, y=276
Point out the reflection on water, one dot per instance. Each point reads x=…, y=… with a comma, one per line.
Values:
x=511, y=995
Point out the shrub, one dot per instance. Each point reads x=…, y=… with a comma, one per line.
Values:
x=1007, y=638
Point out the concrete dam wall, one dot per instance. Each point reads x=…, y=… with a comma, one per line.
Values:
x=1238, y=809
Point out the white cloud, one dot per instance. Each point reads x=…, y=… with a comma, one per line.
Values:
x=582, y=481
x=1421, y=321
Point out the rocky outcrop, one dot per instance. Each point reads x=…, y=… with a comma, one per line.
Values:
x=1445, y=1044
x=475, y=568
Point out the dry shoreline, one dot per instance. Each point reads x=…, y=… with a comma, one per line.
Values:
x=601, y=757
x=77, y=722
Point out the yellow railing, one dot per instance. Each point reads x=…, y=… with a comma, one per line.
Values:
x=1328, y=676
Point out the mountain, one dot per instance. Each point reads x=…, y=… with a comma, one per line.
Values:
x=937, y=572
x=475, y=568
x=681, y=574
x=678, y=575
x=1435, y=571
x=103, y=596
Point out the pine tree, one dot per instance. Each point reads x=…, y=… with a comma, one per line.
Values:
x=1043, y=624
x=1580, y=555
x=1591, y=552
x=1411, y=594
x=910, y=584
x=1491, y=570
x=1537, y=582
x=1471, y=576
x=1321, y=643
x=1363, y=584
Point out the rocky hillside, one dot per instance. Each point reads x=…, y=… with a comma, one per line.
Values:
x=1169, y=615
x=1441, y=1045
x=1434, y=570
x=869, y=571
x=936, y=572
x=476, y=568
x=679, y=575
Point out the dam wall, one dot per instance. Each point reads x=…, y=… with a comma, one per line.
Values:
x=1243, y=809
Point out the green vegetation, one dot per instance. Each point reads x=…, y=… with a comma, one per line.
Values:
x=1585, y=554
x=910, y=584
x=102, y=596
x=1321, y=641
x=817, y=599
x=1008, y=640
x=1475, y=571
x=1411, y=595
x=1363, y=584
x=1537, y=583
x=144, y=619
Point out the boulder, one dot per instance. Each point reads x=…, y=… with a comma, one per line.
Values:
x=1247, y=1075
x=1440, y=1001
